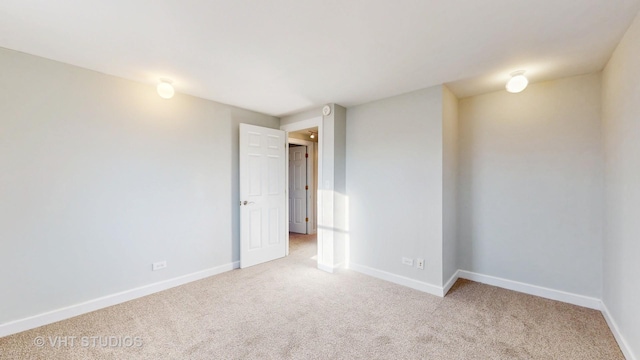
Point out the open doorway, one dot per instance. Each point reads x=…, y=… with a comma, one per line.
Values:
x=303, y=181
x=302, y=188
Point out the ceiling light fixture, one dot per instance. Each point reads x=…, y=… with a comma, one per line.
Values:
x=313, y=134
x=517, y=83
x=165, y=89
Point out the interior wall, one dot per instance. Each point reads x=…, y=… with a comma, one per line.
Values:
x=101, y=177
x=394, y=184
x=331, y=197
x=621, y=124
x=301, y=116
x=315, y=186
x=531, y=185
x=340, y=197
x=449, y=184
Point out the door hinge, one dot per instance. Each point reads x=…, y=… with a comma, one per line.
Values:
x=306, y=155
x=306, y=219
x=306, y=187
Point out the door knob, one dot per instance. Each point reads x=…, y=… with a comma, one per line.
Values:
x=247, y=202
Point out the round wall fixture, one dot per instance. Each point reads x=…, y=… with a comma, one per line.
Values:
x=165, y=89
x=326, y=110
x=517, y=83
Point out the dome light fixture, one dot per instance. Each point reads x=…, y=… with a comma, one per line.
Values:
x=313, y=134
x=517, y=83
x=165, y=89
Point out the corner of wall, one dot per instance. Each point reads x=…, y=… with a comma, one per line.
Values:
x=620, y=112
x=449, y=184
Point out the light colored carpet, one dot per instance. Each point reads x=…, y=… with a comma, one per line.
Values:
x=287, y=309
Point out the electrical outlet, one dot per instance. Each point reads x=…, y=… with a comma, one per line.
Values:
x=407, y=261
x=420, y=264
x=159, y=265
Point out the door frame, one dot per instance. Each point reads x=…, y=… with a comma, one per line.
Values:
x=297, y=126
x=311, y=200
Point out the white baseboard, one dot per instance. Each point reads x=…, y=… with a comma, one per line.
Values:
x=114, y=299
x=558, y=295
x=575, y=299
x=326, y=268
x=547, y=293
x=109, y=300
x=624, y=346
x=330, y=268
x=449, y=284
x=397, y=279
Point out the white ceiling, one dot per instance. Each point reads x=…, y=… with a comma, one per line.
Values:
x=283, y=56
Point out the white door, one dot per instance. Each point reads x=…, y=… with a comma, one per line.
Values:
x=298, y=219
x=262, y=195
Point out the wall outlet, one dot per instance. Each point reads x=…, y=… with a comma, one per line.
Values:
x=420, y=264
x=159, y=265
x=407, y=261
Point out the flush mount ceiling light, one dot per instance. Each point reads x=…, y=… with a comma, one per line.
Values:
x=165, y=89
x=313, y=134
x=517, y=83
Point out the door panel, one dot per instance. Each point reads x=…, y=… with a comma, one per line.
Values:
x=274, y=231
x=255, y=220
x=262, y=195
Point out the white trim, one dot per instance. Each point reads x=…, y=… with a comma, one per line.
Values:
x=622, y=343
x=449, y=284
x=301, y=125
x=330, y=268
x=575, y=299
x=397, y=279
x=286, y=191
x=325, y=267
x=300, y=142
x=558, y=295
x=49, y=317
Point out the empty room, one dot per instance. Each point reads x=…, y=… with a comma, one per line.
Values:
x=320, y=179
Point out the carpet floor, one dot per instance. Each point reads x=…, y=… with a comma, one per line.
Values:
x=288, y=309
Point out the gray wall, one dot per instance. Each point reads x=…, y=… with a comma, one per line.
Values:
x=101, y=177
x=449, y=184
x=332, y=224
x=394, y=183
x=531, y=185
x=621, y=124
x=340, y=202
x=301, y=116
